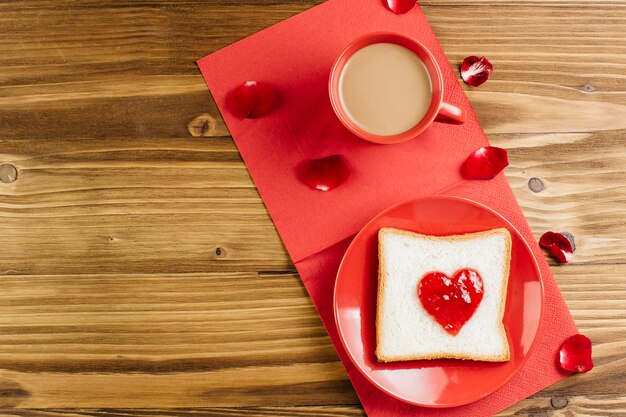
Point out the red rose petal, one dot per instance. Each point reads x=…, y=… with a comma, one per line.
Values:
x=400, y=6
x=558, y=245
x=324, y=174
x=485, y=163
x=475, y=71
x=252, y=99
x=575, y=354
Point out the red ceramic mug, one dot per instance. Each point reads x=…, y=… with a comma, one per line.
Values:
x=438, y=111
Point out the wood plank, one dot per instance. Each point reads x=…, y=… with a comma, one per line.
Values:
x=585, y=188
x=550, y=60
x=582, y=406
x=211, y=340
x=299, y=411
x=112, y=206
x=206, y=340
x=92, y=206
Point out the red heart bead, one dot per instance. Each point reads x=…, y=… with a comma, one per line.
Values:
x=451, y=301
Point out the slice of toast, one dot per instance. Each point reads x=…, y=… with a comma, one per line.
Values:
x=405, y=330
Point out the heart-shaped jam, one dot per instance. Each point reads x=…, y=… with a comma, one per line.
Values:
x=451, y=301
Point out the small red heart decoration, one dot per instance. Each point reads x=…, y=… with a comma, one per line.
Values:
x=451, y=301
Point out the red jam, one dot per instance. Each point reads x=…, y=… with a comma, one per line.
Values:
x=451, y=301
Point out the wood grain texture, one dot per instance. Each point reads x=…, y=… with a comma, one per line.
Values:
x=141, y=273
x=119, y=206
x=211, y=340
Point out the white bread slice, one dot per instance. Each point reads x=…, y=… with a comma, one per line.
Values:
x=405, y=330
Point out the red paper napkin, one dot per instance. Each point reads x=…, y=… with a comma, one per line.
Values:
x=296, y=56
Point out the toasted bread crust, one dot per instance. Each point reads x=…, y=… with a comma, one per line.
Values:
x=381, y=287
x=455, y=238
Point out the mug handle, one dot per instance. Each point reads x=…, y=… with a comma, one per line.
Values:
x=449, y=113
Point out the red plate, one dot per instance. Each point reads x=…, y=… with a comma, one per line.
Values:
x=435, y=383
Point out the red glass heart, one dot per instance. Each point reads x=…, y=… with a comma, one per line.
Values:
x=575, y=354
x=324, y=174
x=252, y=99
x=400, y=6
x=558, y=245
x=475, y=71
x=485, y=163
x=451, y=301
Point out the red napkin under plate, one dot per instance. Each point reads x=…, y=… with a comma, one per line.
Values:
x=295, y=56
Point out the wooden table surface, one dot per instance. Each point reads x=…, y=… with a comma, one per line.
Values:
x=139, y=267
